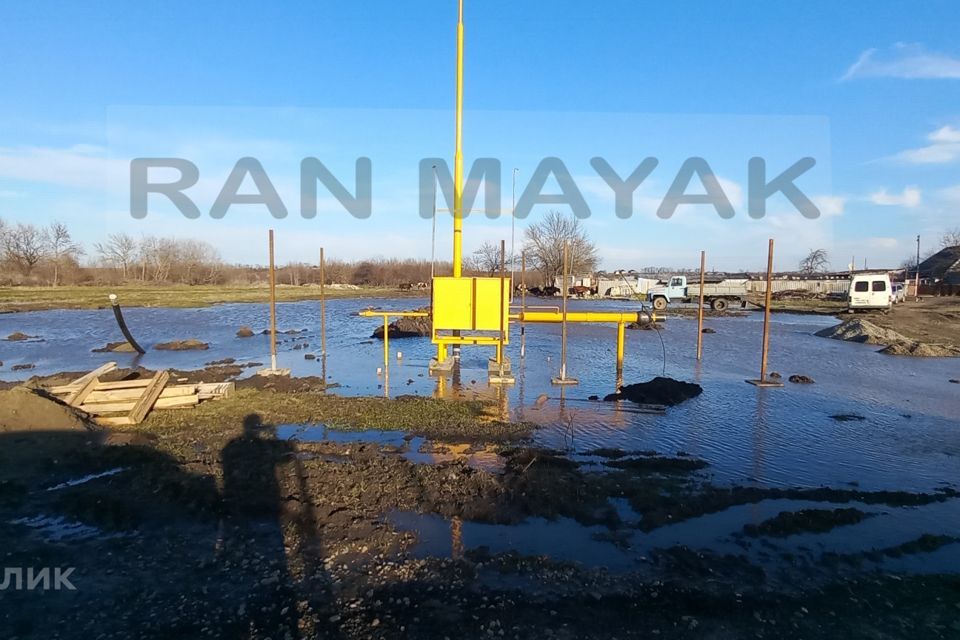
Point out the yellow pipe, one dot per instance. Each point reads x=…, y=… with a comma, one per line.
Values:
x=620, y=351
x=458, y=159
x=583, y=316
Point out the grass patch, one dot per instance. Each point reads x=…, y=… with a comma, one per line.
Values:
x=182, y=296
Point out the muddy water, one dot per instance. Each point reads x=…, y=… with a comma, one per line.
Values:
x=909, y=437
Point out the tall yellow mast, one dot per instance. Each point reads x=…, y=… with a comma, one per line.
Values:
x=458, y=158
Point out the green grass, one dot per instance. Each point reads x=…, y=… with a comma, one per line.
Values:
x=135, y=295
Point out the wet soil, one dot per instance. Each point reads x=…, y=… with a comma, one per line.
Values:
x=788, y=523
x=182, y=345
x=661, y=391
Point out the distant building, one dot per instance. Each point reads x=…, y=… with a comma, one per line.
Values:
x=943, y=267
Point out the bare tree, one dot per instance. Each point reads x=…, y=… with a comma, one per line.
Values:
x=545, y=241
x=24, y=247
x=486, y=259
x=951, y=238
x=60, y=247
x=817, y=261
x=120, y=250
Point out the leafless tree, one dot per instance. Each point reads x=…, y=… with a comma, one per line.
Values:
x=60, y=248
x=817, y=261
x=24, y=247
x=544, y=246
x=486, y=259
x=951, y=238
x=120, y=250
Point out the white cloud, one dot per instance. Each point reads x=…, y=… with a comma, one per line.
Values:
x=882, y=243
x=77, y=166
x=951, y=194
x=908, y=61
x=830, y=205
x=944, y=147
x=910, y=198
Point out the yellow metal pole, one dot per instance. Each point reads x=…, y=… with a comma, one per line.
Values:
x=323, y=307
x=563, y=327
x=458, y=158
x=766, y=314
x=620, y=349
x=503, y=301
x=703, y=267
x=273, y=308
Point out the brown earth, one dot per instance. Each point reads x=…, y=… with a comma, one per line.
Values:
x=407, y=327
x=865, y=331
x=182, y=345
x=116, y=347
x=27, y=409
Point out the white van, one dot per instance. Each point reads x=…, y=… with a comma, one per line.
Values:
x=870, y=291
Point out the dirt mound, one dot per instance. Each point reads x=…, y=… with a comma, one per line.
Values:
x=665, y=391
x=183, y=345
x=116, y=347
x=921, y=349
x=244, y=332
x=897, y=344
x=407, y=327
x=17, y=336
x=645, y=326
x=26, y=409
x=861, y=331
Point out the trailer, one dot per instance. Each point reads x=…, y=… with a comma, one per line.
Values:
x=719, y=294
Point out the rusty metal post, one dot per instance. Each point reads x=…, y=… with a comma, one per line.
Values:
x=766, y=314
x=523, y=302
x=703, y=268
x=273, y=308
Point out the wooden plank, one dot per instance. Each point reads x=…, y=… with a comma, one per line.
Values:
x=125, y=407
x=96, y=373
x=76, y=398
x=121, y=395
x=119, y=421
x=150, y=396
x=213, y=390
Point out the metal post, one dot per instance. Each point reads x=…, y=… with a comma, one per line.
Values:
x=703, y=267
x=433, y=233
x=523, y=302
x=513, y=235
x=273, y=308
x=503, y=303
x=458, y=157
x=916, y=290
x=563, y=329
x=386, y=344
x=323, y=307
x=766, y=314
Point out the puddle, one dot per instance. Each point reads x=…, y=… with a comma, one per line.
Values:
x=416, y=449
x=59, y=529
x=86, y=479
x=628, y=549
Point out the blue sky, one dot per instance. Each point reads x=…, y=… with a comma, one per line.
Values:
x=871, y=89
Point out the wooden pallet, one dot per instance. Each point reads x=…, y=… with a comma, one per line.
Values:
x=127, y=402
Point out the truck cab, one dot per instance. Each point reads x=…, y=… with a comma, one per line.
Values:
x=676, y=289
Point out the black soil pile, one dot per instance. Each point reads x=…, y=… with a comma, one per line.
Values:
x=663, y=391
x=26, y=409
x=407, y=327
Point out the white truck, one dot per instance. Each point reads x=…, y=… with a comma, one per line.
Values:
x=718, y=294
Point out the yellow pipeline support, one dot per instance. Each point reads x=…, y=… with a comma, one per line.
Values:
x=458, y=159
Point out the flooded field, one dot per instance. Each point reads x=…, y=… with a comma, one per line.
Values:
x=873, y=420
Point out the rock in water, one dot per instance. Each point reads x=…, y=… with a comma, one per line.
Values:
x=798, y=379
x=183, y=345
x=407, y=327
x=244, y=332
x=709, y=330
x=17, y=337
x=665, y=391
x=116, y=347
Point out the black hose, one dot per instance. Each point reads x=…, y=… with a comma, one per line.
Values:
x=118, y=314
